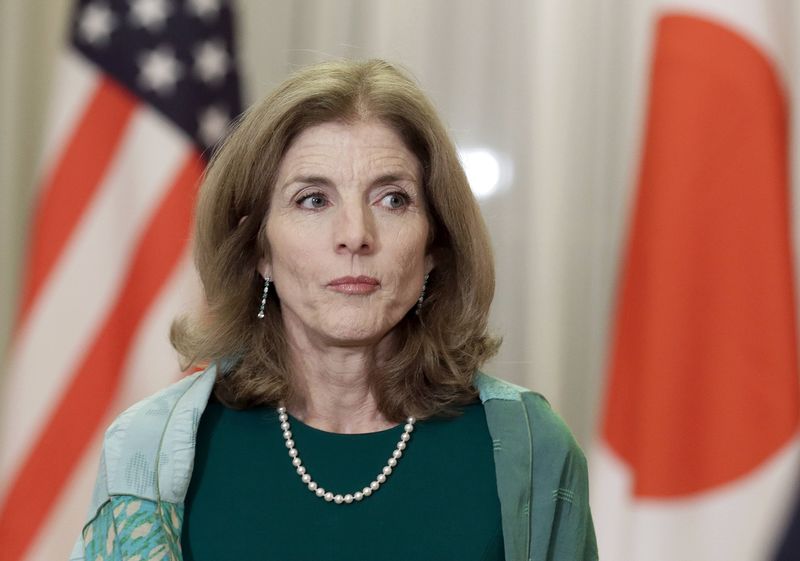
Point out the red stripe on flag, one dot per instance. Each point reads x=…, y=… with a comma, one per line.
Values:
x=73, y=182
x=704, y=379
x=93, y=386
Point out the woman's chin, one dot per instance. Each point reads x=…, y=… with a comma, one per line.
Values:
x=355, y=332
x=352, y=338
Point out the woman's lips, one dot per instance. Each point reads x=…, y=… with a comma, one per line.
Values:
x=354, y=285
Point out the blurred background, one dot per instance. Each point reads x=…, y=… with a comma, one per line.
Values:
x=553, y=107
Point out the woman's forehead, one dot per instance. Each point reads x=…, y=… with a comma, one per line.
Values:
x=343, y=147
x=370, y=133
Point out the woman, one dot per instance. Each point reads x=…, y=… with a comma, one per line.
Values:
x=348, y=278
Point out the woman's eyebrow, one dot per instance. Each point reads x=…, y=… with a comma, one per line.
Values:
x=394, y=177
x=321, y=180
x=310, y=179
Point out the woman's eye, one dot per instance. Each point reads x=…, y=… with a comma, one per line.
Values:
x=314, y=200
x=394, y=200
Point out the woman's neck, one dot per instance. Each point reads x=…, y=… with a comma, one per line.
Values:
x=332, y=389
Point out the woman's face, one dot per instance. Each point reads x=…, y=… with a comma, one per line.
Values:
x=347, y=231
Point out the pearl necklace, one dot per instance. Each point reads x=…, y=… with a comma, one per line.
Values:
x=328, y=496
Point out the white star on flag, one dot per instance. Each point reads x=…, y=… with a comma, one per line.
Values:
x=213, y=122
x=211, y=61
x=96, y=23
x=204, y=9
x=150, y=14
x=159, y=70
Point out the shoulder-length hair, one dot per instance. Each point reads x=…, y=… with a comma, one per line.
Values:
x=431, y=369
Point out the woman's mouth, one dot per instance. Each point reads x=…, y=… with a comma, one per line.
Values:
x=355, y=285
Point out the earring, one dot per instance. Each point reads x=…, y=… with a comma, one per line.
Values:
x=264, y=298
x=422, y=294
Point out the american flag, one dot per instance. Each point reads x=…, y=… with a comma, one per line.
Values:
x=144, y=90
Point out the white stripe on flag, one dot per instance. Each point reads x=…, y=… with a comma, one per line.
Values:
x=152, y=363
x=75, y=82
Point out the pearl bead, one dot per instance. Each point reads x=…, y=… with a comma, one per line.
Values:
x=366, y=491
x=392, y=462
x=319, y=491
x=287, y=434
x=348, y=498
x=329, y=496
x=284, y=426
x=374, y=485
x=387, y=470
x=405, y=437
x=305, y=478
x=409, y=427
x=401, y=445
x=283, y=417
x=300, y=470
x=411, y=420
x=312, y=486
x=381, y=478
x=338, y=499
x=296, y=462
x=281, y=410
x=293, y=452
x=290, y=443
x=397, y=454
x=358, y=495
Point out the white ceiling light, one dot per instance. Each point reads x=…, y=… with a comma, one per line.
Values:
x=484, y=171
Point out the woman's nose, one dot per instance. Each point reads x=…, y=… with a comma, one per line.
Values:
x=355, y=229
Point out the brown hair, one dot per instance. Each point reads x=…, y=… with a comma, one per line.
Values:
x=432, y=367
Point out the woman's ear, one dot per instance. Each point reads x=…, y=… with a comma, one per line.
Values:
x=265, y=267
x=430, y=263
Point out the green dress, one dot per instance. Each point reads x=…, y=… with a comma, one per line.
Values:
x=245, y=500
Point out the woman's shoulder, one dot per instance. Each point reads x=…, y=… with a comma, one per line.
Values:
x=541, y=474
x=147, y=448
x=528, y=408
x=155, y=412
